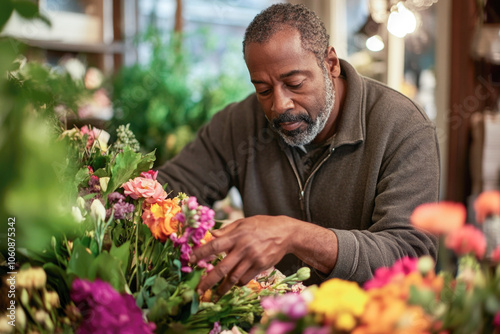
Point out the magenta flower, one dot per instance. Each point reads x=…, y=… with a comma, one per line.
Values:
x=496, y=321
x=384, y=275
x=195, y=221
x=104, y=310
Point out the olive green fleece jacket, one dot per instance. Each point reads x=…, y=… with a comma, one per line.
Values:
x=382, y=163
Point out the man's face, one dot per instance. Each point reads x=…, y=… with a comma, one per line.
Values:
x=297, y=95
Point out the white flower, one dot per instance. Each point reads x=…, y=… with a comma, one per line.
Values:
x=102, y=139
x=75, y=68
x=77, y=214
x=97, y=210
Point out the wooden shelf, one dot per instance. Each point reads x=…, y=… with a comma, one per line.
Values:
x=113, y=48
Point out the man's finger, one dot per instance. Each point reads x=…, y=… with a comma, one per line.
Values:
x=213, y=247
x=226, y=229
x=221, y=270
x=234, y=277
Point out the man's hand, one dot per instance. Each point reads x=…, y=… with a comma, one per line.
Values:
x=251, y=244
x=256, y=243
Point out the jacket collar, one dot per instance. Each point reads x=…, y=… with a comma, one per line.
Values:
x=351, y=128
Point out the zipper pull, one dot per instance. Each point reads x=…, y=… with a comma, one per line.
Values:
x=301, y=199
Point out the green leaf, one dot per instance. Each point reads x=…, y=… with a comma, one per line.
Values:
x=159, y=311
x=26, y=9
x=58, y=279
x=159, y=285
x=146, y=163
x=123, y=169
x=80, y=261
x=6, y=10
x=122, y=254
x=107, y=268
x=193, y=278
x=195, y=303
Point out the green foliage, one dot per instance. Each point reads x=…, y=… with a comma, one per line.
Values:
x=165, y=102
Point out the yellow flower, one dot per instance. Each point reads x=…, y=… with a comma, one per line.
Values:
x=340, y=302
x=31, y=278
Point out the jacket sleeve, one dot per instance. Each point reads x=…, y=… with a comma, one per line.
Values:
x=408, y=177
x=203, y=167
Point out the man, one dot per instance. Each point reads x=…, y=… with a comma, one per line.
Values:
x=330, y=165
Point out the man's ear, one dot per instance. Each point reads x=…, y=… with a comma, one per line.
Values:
x=332, y=62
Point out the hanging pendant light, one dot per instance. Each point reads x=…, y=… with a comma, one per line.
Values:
x=401, y=21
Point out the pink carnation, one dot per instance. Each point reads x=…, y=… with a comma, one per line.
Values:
x=384, y=275
x=467, y=239
x=495, y=255
x=142, y=187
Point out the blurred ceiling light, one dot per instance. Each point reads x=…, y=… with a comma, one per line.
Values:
x=375, y=43
x=401, y=21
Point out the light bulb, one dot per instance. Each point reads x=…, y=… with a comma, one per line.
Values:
x=375, y=43
x=401, y=21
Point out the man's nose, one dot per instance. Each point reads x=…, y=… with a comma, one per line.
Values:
x=282, y=101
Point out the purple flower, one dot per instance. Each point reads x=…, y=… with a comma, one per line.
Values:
x=115, y=197
x=122, y=209
x=104, y=310
x=216, y=329
x=197, y=235
x=290, y=304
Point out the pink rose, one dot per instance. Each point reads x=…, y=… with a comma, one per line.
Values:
x=147, y=188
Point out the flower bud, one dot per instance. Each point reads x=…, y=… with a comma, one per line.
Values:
x=80, y=202
x=25, y=298
x=41, y=316
x=21, y=319
x=303, y=273
x=77, y=214
x=425, y=264
x=51, y=299
x=97, y=210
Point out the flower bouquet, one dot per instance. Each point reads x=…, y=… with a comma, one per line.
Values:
x=123, y=265
x=410, y=297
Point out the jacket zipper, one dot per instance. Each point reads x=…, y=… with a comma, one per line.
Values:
x=301, y=189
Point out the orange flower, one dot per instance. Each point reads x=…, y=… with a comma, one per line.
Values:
x=160, y=218
x=254, y=285
x=439, y=218
x=208, y=237
x=488, y=203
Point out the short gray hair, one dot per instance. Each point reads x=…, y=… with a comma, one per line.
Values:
x=313, y=34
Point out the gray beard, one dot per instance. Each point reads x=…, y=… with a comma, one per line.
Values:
x=314, y=127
